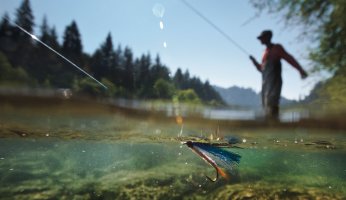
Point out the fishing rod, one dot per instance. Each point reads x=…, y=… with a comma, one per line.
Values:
x=215, y=27
x=50, y=48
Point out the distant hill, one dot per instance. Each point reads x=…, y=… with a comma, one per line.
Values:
x=247, y=97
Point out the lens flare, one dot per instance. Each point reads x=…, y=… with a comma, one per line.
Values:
x=161, y=25
x=158, y=10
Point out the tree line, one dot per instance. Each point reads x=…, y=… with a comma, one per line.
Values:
x=24, y=61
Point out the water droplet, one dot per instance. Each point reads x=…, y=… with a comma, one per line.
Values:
x=158, y=10
x=165, y=44
x=161, y=25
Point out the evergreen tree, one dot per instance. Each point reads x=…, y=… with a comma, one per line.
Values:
x=44, y=30
x=5, y=27
x=25, y=19
x=145, y=88
x=104, y=61
x=128, y=65
x=197, y=85
x=53, y=42
x=47, y=67
x=24, y=43
x=6, y=35
x=210, y=93
x=158, y=71
x=48, y=35
x=73, y=50
x=178, y=78
x=186, y=80
x=72, y=44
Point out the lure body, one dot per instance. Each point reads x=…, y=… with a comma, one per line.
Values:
x=215, y=156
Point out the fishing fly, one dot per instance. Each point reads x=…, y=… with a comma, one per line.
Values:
x=216, y=155
x=53, y=50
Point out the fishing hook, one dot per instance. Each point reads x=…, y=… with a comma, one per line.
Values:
x=210, y=162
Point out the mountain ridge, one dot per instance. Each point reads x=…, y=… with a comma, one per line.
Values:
x=245, y=97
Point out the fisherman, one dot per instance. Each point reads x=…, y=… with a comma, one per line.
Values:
x=270, y=68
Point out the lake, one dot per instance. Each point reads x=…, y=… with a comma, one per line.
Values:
x=56, y=148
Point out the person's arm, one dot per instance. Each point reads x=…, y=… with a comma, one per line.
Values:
x=254, y=61
x=290, y=59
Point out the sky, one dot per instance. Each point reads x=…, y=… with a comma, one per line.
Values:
x=180, y=37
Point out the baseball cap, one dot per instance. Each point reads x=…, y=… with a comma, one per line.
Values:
x=265, y=33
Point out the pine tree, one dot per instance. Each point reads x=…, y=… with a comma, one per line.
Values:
x=178, y=78
x=143, y=80
x=6, y=35
x=186, y=80
x=158, y=71
x=73, y=50
x=128, y=65
x=47, y=65
x=5, y=27
x=210, y=93
x=25, y=19
x=72, y=44
x=105, y=61
x=44, y=30
x=23, y=43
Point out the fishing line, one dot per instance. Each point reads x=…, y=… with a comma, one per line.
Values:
x=250, y=19
x=215, y=27
x=50, y=48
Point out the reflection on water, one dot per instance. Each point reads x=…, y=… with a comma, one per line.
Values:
x=208, y=112
x=91, y=151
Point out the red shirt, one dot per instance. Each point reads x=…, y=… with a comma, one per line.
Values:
x=275, y=53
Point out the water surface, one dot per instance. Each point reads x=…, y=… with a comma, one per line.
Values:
x=80, y=150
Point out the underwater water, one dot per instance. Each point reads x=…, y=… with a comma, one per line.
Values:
x=64, y=149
